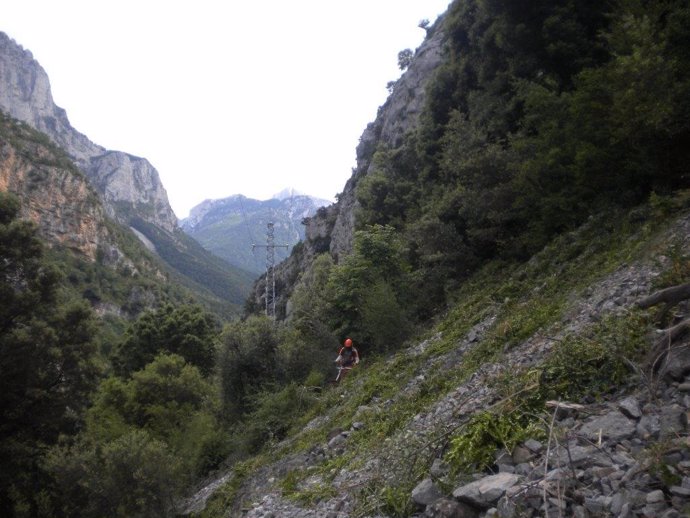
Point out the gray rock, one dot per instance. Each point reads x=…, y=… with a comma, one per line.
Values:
x=357, y=425
x=503, y=457
x=426, y=493
x=654, y=509
x=673, y=421
x=683, y=492
x=439, y=469
x=595, y=506
x=486, y=492
x=617, y=502
x=522, y=455
x=446, y=508
x=648, y=427
x=506, y=508
x=655, y=497
x=630, y=406
x=338, y=440
x=534, y=445
x=676, y=364
x=574, y=455
x=614, y=426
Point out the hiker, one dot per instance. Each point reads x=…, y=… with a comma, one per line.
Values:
x=348, y=357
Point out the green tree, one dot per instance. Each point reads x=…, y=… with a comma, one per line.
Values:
x=132, y=476
x=405, y=58
x=310, y=344
x=248, y=362
x=47, y=362
x=161, y=398
x=184, y=330
x=374, y=277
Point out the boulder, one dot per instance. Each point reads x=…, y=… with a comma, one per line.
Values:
x=486, y=492
x=613, y=425
x=630, y=407
x=426, y=493
x=446, y=508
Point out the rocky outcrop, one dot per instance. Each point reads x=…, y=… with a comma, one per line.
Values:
x=396, y=117
x=56, y=197
x=127, y=185
x=332, y=230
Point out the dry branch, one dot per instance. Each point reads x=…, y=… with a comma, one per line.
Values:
x=671, y=296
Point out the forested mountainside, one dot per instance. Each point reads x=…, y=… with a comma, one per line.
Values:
x=537, y=115
x=128, y=186
x=229, y=227
x=511, y=260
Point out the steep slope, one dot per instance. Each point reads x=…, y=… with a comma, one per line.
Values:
x=460, y=423
x=128, y=186
x=229, y=227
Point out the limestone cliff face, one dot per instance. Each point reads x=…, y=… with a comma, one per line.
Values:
x=397, y=116
x=128, y=185
x=332, y=230
x=53, y=195
x=131, y=183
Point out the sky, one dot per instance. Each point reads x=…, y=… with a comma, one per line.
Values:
x=222, y=96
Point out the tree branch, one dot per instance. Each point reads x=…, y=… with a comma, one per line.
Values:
x=670, y=296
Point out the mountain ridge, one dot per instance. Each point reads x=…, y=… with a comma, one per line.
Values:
x=230, y=227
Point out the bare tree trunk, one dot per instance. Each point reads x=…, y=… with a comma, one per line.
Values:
x=670, y=296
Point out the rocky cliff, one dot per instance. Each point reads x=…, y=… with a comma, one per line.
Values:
x=399, y=114
x=53, y=193
x=332, y=230
x=128, y=185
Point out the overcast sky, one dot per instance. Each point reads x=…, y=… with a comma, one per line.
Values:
x=223, y=97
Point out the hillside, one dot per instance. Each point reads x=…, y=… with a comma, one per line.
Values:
x=229, y=227
x=529, y=398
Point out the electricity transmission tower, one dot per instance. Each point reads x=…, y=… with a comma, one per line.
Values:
x=270, y=247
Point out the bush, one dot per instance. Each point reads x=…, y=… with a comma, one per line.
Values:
x=275, y=413
x=133, y=476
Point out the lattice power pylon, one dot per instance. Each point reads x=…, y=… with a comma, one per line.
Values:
x=270, y=247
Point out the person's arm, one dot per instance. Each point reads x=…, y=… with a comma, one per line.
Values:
x=356, y=356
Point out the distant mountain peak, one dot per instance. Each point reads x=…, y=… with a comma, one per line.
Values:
x=229, y=226
x=288, y=192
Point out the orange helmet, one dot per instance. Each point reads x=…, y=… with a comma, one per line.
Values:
x=348, y=343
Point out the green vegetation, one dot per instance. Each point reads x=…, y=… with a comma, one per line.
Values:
x=539, y=117
x=48, y=362
x=206, y=270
